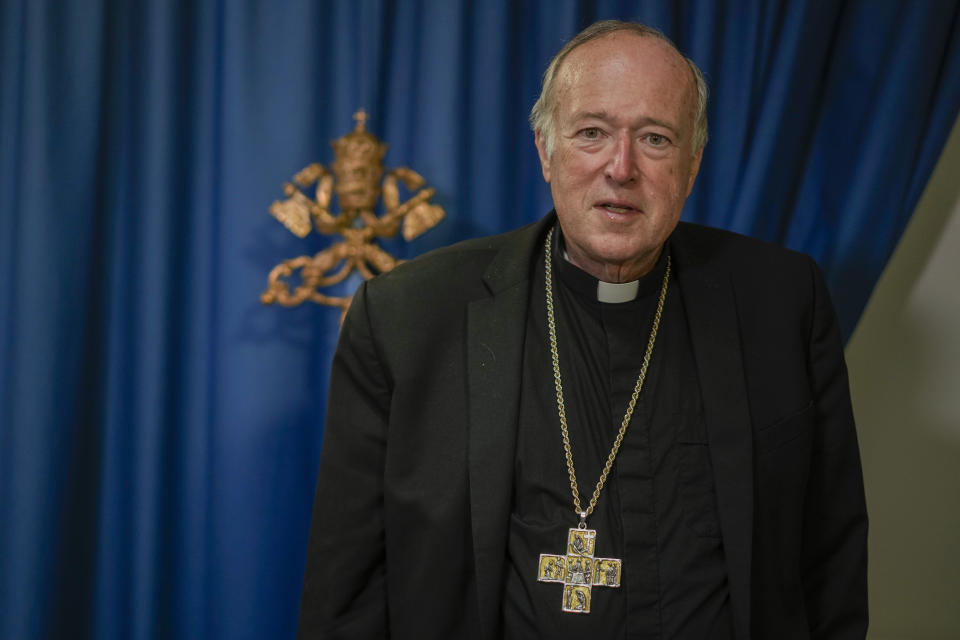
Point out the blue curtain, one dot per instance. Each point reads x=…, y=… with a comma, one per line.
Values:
x=159, y=427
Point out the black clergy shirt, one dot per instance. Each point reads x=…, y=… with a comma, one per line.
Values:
x=657, y=512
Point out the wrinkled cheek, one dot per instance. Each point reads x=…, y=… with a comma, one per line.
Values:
x=673, y=194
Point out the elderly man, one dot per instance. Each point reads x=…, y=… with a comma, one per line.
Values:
x=605, y=424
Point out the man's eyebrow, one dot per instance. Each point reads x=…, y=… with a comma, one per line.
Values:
x=604, y=116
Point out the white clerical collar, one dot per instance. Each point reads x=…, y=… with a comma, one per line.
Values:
x=613, y=292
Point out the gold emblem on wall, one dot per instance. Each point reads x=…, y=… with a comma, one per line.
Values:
x=356, y=178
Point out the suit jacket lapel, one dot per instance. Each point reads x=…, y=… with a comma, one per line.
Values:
x=714, y=333
x=496, y=327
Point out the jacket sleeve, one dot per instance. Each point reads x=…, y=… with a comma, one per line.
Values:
x=834, y=548
x=344, y=588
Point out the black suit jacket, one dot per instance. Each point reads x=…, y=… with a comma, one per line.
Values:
x=413, y=501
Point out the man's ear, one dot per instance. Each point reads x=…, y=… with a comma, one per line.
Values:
x=541, y=143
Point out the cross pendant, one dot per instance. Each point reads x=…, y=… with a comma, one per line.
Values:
x=579, y=571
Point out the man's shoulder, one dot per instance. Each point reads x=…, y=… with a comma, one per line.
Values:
x=734, y=251
x=423, y=297
x=472, y=252
x=458, y=267
x=774, y=286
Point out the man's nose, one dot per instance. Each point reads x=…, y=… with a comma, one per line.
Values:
x=621, y=167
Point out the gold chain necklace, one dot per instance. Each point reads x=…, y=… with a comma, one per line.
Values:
x=578, y=569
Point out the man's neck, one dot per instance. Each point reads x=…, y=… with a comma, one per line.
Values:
x=612, y=272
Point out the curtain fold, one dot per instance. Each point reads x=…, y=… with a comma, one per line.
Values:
x=159, y=427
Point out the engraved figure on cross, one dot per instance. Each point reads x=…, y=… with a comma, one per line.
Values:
x=551, y=565
x=576, y=600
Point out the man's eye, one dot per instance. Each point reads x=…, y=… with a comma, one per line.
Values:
x=657, y=140
x=590, y=133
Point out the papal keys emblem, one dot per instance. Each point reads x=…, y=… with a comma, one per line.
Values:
x=356, y=176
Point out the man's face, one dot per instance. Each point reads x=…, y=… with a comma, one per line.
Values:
x=623, y=161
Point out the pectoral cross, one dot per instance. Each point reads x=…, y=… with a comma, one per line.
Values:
x=579, y=571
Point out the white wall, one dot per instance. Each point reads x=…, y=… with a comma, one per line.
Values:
x=904, y=361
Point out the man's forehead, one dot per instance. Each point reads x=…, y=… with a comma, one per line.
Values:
x=631, y=59
x=652, y=53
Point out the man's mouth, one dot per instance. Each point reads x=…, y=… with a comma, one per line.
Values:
x=617, y=207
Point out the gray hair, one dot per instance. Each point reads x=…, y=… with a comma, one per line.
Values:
x=542, y=116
